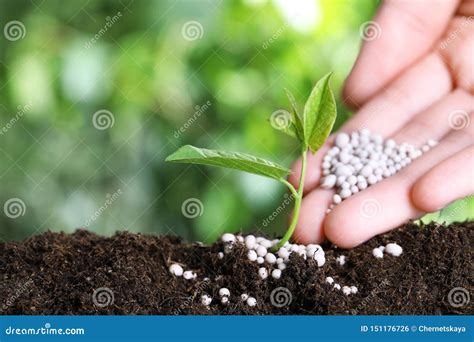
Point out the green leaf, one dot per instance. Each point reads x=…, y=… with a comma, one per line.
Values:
x=296, y=118
x=319, y=114
x=230, y=160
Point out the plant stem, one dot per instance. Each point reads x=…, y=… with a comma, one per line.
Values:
x=298, y=198
x=291, y=187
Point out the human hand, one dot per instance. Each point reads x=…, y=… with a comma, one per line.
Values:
x=414, y=82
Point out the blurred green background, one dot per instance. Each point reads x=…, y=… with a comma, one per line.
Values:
x=94, y=96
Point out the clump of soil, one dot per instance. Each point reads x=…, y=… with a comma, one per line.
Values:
x=57, y=273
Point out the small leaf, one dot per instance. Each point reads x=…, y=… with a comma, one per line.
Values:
x=296, y=118
x=319, y=114
x=230, y=160
x=281, y=120
x=289, y=129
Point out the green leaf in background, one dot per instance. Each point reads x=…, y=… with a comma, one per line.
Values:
x=319, y=114
x=296, y=118
x=230, y=160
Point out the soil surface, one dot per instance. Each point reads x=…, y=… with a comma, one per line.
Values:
x=83, y=273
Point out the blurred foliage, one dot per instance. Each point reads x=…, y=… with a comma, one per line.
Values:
x=131, y=58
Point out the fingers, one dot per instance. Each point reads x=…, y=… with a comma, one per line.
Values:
x=448, y=181
x=457, y=49
x=414, y=91
x=388, y=204
x=442, y=117
x=411, y=93
x=406, y=31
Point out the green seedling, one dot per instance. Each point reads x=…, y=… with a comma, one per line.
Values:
x=310, y=129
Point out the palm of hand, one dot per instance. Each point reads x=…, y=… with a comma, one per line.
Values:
x=413, y=83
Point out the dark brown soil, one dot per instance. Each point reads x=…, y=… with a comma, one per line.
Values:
x=57, y=273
